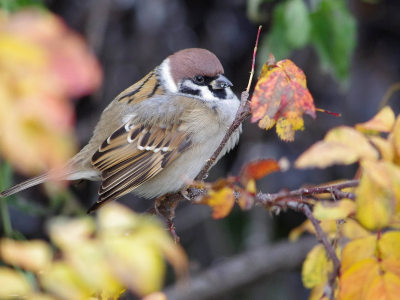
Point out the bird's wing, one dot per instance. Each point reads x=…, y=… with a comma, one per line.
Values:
x=133, y=154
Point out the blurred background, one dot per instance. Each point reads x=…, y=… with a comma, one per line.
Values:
x=349, y=51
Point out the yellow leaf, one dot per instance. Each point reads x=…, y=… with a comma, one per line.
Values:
x=13, y=284
x=352, y=139
x=89, y=260
x=315, y=267
x=70, y=233
x=396, y=137
x=266, y=123
x=328, y=210
x=107, y=295
x=385, y=148
x=31, y=255
x=376, y=195
x=138, y=264
x=323, y=154
x=382, y=122
x=389, y=245
x=328, y=226
x=317, y=292
x=251, y=186
x=64, y=282
x=384, y=287
x=285, y=130
x=40, y=296
x=353, y=230
x=156, y=296
x=117, y=221
x=356, y=278
x=358, y=250
x=220, y=201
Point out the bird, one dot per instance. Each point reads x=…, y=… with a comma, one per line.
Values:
x=158, y=133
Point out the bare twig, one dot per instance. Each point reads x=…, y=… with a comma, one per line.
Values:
x=284, y=197
x=254, y=60
x=329, y=290
x=389, y=93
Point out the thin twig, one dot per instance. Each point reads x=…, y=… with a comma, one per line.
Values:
x=389, y=93
x=254, y=60
x=329, y=291
x=269, y=200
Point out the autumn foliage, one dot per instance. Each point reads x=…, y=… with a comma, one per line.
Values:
x=43, y=64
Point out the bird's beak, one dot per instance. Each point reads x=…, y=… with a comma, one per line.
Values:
x=221, y=82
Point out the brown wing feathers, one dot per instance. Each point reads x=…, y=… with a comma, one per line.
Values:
x=133, y=154
x=142, y=90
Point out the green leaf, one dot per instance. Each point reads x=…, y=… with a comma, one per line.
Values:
x=13, y=5
x=334, y=36
x=297, y=23
x=275, y=41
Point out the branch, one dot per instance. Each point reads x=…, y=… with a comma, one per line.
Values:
x=241, y=115
x=242, y=270
x=329, y=290
x=285, y=197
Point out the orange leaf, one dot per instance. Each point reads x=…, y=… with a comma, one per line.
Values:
x=353, y=281
x=220, y=201
x=391, y=264
x=382, y=122
x=259, y=168
x=281, y=95
x=245, y=200
x=358, y=250
x=384, y=287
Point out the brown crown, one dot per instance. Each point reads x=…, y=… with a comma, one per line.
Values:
x=190, y=62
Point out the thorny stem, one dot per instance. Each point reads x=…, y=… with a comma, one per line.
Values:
x=268, y=200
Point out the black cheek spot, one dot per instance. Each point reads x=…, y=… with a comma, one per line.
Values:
x=186, y=90
x=218, y=93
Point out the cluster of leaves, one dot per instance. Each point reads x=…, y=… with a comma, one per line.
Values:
x=327, y=25
x=368, y=257
x=222, y=194
x=126, y=250
x=42, y=65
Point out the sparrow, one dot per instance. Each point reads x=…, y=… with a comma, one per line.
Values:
x=156, y=134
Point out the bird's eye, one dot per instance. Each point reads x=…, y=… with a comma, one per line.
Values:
x=198, y=79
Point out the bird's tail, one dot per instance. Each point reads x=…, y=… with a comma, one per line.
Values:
x=35, y=181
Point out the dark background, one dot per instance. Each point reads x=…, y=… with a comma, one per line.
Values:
x=131, y=37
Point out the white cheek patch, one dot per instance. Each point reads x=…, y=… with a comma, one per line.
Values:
x=165, y=72
x=205, y=93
